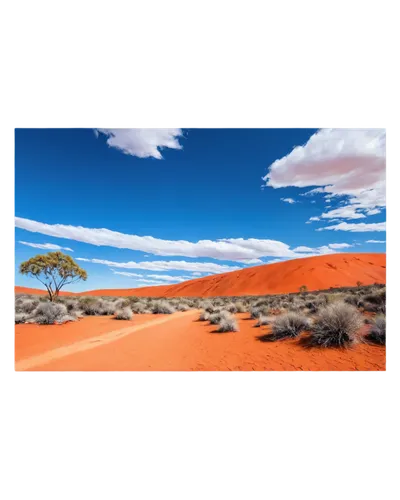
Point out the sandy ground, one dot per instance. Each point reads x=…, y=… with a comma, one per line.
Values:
x=176, y=343
x=320, y=272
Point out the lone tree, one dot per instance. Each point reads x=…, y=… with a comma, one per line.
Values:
x=303, y=289
x=54, y=270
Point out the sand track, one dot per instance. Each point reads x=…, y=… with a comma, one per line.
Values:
x=93, y=342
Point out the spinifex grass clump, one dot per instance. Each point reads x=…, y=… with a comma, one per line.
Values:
x=257, y=311
x=290, y=324
x=139, y=308
x=216, y=318
x=50, y=313
x=336, y=325
x=204, y=316
x=263, y=320
x=26, y=306
x=377, y=334
x=228, y=324
x=125, y=313
x=162, y=307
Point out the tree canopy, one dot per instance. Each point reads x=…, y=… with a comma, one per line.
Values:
x=54, y=270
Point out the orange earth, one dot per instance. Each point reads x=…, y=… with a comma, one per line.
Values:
x=175, y=342
x=316, y=273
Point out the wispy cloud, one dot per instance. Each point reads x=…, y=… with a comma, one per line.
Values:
x=375, y=241
x=361, y=227
x=339, y=245
x=234, y=249
x=142, y=142
x=159, y=265
x=45, y=246
x=288, y=200
x=347, y=163
x=159, y=277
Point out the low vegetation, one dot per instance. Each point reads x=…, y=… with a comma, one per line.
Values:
x=331, y=318
x=125, y=313
x=377, y=333
x=336, y=325
x=290, y=324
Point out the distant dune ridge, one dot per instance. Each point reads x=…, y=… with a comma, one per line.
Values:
x=316, y=273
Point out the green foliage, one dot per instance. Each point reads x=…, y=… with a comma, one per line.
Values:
x=53, y=270
x=303, y=289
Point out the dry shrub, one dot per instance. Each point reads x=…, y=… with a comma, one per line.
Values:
x=290, y=324
x=162, y=307
x=204, y=316
x=228, y=324
x=49, y=313
x=125, y=313
x=377, y=334
x=216, y=318
x=336, y=325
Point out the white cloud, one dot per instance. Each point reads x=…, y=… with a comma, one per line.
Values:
x=303, y=249
x=313, y=219
x=373, y=212
x=342, y=162
x=45, y=246
x=158, y=277
x=251, y=261
x=345, y=212
x=339, y=245
x=375, y=241
x=288, y=200
x=150, y=282
x=197, y=274
x=160, y=265
x=142, y=142
x=308, y=193
x=234, y=249
x=361, y=227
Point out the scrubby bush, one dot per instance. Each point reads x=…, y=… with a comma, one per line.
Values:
x=139, y=308
x=240, y=307
x=263, y=320
x=66, y=319
x=215, y=318
x=204, y=316
x=182, y=307
x=353, y=300
x=377, y=334
x=72, y=305
x=290, y=324
x=121, y=304
x=162, y=307
x=20, y=318
x=49, y=313
x=26, y=305
x=230, y=307
x=91, y=306
x=228, y=324
x=336, y=325
x=125, y=313
x=208, y=306
x=257, y=311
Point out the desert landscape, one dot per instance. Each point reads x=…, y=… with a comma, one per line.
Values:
x=338, y=328
x=263, y=257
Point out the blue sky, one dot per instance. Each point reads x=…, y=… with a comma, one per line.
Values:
x=188, y=189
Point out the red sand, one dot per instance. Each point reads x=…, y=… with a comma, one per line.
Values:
x=316, y=273
x=184, y=344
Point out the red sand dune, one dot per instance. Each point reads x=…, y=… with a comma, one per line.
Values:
x=315, y=273
x=179, y=343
